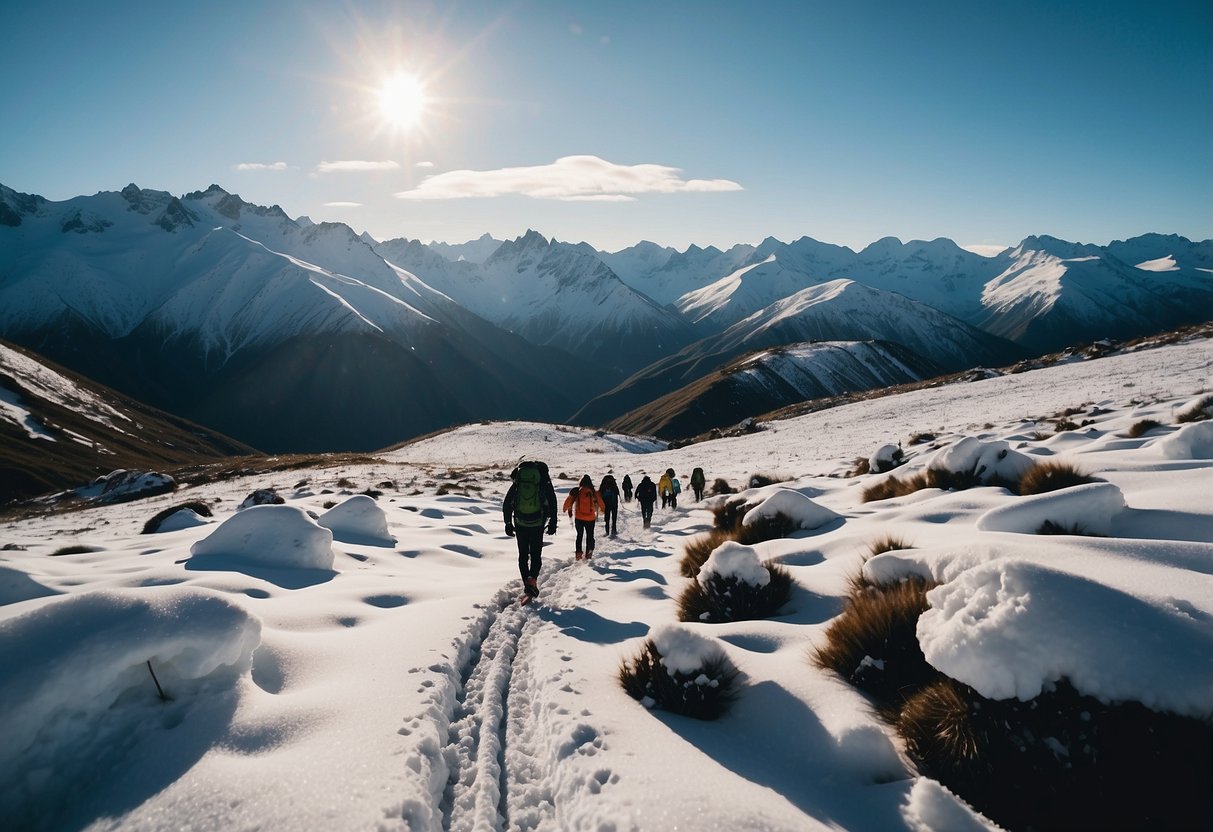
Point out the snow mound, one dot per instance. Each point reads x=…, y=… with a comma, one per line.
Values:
x=682, y=650
x=186, y=518
x=16, y=586
x=930, y=807
x=1011, y=628
x=806, y=513
x=733, y=560
x=1090, y=508
x=282, y=536
x=76, y=681
x=358, y=520
x=984, y=460
x=885, y=458
x=1192, y=441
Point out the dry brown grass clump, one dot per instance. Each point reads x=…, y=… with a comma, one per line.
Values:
x=873, y=644
x=698, y=549
x=720, y=486
x=153, y=525
x=771, y=527
x=1052, y=475
x=940, y=478
x=920, y=437
x=760, y=479
x=887, y=543
x=1199, y=411
x=1141, y=428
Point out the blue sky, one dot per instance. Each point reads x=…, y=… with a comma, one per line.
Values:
x=678, y=122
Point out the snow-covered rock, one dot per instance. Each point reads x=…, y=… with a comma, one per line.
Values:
x=358, y=520
x=186, y=518
x=1089, y=508
x=985, y=460
x=1011, y=628
x=261, y=497
x=279, y=536
x=122, y=485
x=885, y=458
x=803, y=511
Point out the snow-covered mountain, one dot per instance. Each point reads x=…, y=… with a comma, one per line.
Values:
x=59, y=430
x=774, y=378
x=236, y=316
x=473, y=251
x=554, y=294
x=838, y=310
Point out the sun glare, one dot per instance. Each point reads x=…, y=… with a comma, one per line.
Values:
x=402, y=101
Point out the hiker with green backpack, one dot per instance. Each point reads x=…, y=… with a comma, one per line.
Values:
x=529, y=506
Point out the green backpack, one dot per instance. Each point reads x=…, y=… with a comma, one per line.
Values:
x=528, y=498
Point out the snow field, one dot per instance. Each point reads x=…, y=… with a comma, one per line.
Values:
x=384, y=682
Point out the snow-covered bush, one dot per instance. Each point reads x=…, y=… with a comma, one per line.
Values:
x=1193, y=441
x=1052, y=475
x=1142, y=428
x=989, y=463
x=873, y=643
x=698, y=549
x=1088, y=509
x=358, y=520
x=720, y=486
x=735, y=585
x=801, y=511
x=160, y=520
x=278, y=536
x=681, y=671
x=261, y=497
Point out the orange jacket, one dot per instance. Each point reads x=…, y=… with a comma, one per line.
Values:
x=587, y=509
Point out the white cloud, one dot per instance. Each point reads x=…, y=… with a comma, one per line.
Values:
x=261, y=166
x=355, y=166
x=579, y=178
x=343, y=205
x=424, y=165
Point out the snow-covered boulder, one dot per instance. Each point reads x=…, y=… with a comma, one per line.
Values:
x=279, y=536
x=987, y=461
x=803, y=511
x=1089, y=508
x=185, y=518
x=261, y=497
x=733, y=560
x=1192, y=441
x=358, y=520
x=1009, y=628
x=76, y=684
x=885, y=458
x=122, y=485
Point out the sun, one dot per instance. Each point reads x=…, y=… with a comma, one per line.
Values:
x=402, y=101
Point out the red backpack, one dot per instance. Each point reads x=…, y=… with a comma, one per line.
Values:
x=587, y=501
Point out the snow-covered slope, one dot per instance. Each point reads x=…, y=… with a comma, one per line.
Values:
x=775, y=378
x=838, y=310
x=399, y=686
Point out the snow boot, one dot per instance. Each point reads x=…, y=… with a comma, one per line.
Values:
x=532, y=589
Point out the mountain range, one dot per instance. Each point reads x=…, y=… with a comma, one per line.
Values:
x=237, y=316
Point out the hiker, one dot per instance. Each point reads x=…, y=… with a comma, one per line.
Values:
x=529, y=505
x=646, y=495
x=665, y=487
x=584, y=502
x=698, y=481
x=675, y=490
x=627, y=488
x=609, y=492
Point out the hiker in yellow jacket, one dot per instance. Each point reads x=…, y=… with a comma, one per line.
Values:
x=583, y=504
x=665, y=487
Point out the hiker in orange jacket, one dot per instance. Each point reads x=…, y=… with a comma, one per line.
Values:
x=583, y=504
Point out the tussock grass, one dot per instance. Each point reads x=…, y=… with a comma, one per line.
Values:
x=940, y=478
x=721, y=486
x=74, y=549
x=759, y=479
x=727, y=515
x=1049, y=527
x=873, y=644
x=859, y=466
x=1062, y=760
x=1141, y=428
x=919, y=438
x=698, y=549
x=1052, y=475
x=706, y=694
x=771, y=527
x=887, y=543
x=1200, y=410
x=721, y=599
x=153, y=525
